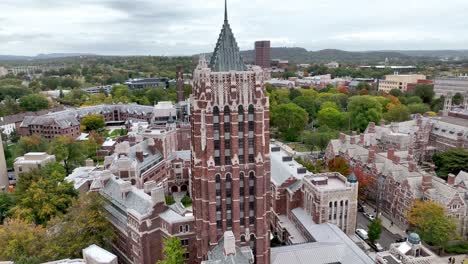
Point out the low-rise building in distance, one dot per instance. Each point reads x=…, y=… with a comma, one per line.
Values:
x=31, y=161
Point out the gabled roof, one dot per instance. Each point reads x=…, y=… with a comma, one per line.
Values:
x=226, y=56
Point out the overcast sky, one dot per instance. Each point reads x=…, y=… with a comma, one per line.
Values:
x=185, y=27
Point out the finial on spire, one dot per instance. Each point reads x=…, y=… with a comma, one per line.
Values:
x=225, y=11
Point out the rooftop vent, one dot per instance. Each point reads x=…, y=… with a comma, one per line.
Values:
x=287, y=158
x=275, y=149
x=301, y=170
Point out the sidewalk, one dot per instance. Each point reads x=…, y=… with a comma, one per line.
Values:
x=386, y=223
x=458, y=259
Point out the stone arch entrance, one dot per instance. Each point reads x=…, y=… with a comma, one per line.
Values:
x=183, y=188
x=174, y=189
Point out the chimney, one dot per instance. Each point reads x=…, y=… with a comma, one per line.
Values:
x=451, y=179
x=148, y=186
x=151, y=145
x=158, y=196
x=89, y=163
x=105, y=176
x=361, y=139
x=229, y=244
x=382, y=122
x=419, y=120
x=371, y=128
x=390, y=153
x=432, y=166
x=396, y=159
x=412, y=166
x=139, y=153
x=371, y=156
x=125, y=187
x=353, y=138
x=426, y=181
x=343, y=138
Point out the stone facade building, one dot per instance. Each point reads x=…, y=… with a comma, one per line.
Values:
x=230, y=153
x=263, y=54
x=31, y=161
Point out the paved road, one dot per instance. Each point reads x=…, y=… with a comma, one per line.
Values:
x=386, y=238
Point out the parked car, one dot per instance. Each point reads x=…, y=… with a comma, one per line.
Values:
x=369, y=216
x=377, y=247
x=362, y=233
x=360, y=208
x=400, y=239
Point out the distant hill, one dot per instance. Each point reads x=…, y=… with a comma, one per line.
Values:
x=301, y=55
x=42, y=56
x=462, y=54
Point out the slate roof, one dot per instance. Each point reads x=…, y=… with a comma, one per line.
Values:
x=70, y=117
x=226, y=56
x=332, y=246
x=136, y=199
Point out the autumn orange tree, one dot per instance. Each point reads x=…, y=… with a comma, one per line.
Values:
x=340, y=165
x=429, y=220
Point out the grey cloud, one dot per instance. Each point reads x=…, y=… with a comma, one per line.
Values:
x=191, y=26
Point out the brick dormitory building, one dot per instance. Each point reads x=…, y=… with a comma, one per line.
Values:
x=389, y=158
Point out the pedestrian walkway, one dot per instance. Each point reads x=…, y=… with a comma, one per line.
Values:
x=458, y=259
x=386, y=223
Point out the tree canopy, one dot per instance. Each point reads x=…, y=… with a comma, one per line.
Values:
x=93, y=122
x=430, y=222
x=69, y=151
x=33, y=102
x=451, y=161
x=364, y=109
x=290, y=119
x=375, y=229
x=173, y=252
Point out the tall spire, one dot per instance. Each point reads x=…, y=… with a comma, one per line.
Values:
x=226, y=56
x=225, y=11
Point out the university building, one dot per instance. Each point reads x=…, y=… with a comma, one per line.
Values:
x=230, y=151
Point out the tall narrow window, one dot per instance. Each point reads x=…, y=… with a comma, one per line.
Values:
x=251, y=134
x=217, y=154
x=219, y=222
x=227, y=136
x=240, y=111
x=251, y=198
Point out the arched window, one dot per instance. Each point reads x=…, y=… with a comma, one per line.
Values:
x=217, y=157
x=252, y=242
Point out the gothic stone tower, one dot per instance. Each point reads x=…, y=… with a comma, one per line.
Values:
x=230, y=151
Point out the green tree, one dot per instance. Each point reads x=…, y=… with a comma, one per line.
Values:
x=425, y=92
x=309, y=104
x=293, y=93
x=419, y=108
x=43, y=194
x=34, y=143
x=290, y=120
x=69, y=151
x=331, y=117
x=69, y=83
x=22, y=242
x=93, y=122
x=397, y=113
x=414, y=100
x=451, y=161
x=375, y=229
x=33, y=102
x=396, y=92
x=362, y=110
x=84, y=224
x=457, y=99
x=6, y=203
x=173, y=252
x=429, y=220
